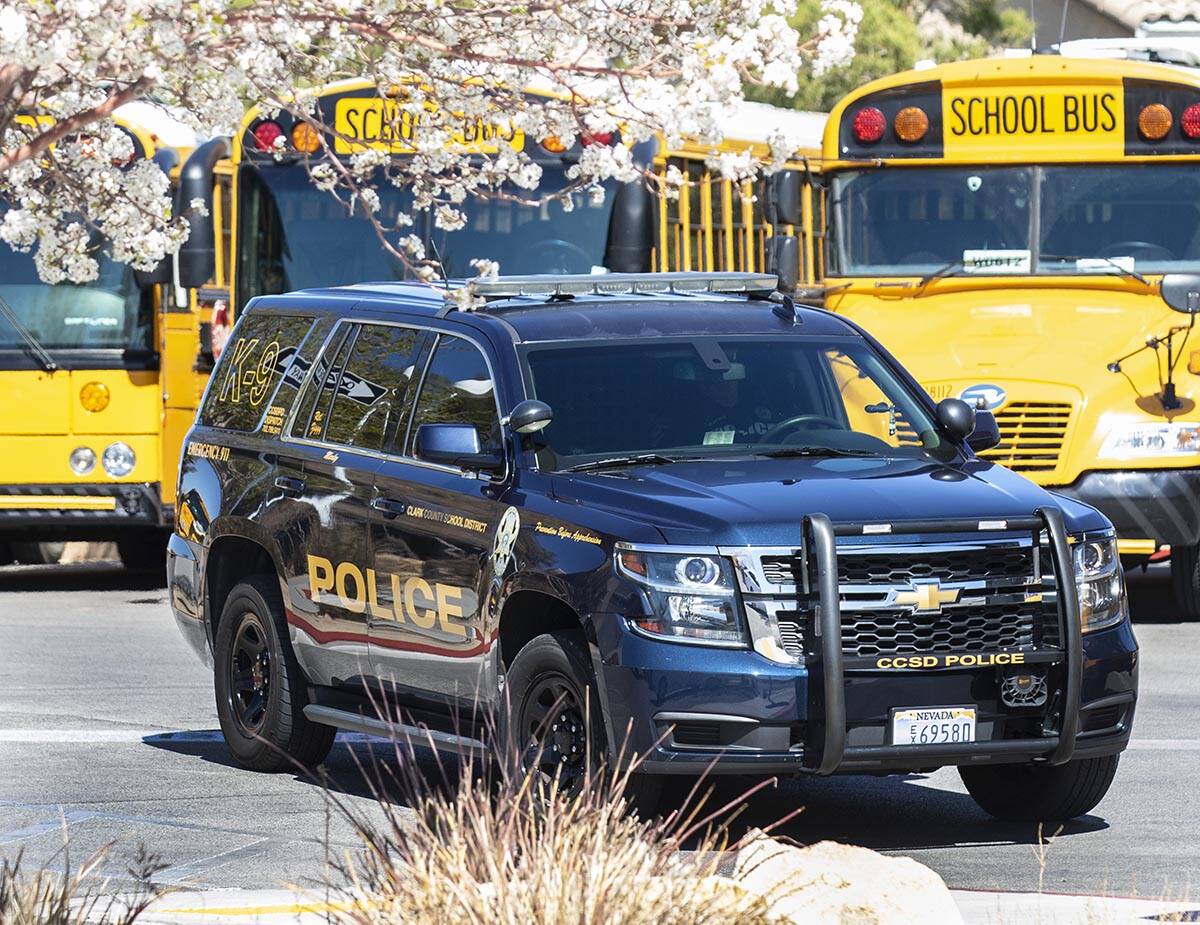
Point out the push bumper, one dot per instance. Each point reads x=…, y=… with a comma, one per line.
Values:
x=1159, y=504
x=79, y=511
x=694, y=710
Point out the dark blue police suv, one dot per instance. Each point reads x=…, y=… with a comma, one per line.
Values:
x=673, y=516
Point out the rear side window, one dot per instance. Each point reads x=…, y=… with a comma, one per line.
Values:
x=251, y=368
x=364, y=390
x=458, y=389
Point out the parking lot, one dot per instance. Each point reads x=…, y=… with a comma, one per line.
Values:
x=108, y=732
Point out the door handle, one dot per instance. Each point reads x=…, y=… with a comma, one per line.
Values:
x=290, y=486
x=389, y=507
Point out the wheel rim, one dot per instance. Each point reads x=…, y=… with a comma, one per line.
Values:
x=250, y=676
x=554, y=728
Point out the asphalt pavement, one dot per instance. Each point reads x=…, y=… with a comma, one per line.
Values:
x=108, y=733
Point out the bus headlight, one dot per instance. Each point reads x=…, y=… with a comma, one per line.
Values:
x=1165, y=439
x=690, y=597
x=118, y=459
x=82, y=460
x=1100, y=584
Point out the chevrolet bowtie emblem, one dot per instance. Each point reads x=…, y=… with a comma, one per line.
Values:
x=927, y=596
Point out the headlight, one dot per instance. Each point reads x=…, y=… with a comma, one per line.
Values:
x=1100, y=583
x=1165, y=439
x=82, y=460
x=690, y=598
x=118, y=459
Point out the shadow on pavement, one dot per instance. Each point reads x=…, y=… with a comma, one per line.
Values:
x=83, y=576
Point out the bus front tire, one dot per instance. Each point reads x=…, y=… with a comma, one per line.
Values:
x=1185, y=578
x=261, y=693
x=1040, y=792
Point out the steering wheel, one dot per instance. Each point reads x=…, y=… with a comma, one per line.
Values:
x=1151, y=251
x=558, y=256
x=800, y=421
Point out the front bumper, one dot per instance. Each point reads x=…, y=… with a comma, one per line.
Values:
x=1158, y=504
x=693, y=710
x=79, y=511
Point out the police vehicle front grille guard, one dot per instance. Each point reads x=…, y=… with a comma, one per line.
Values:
x=820, y=542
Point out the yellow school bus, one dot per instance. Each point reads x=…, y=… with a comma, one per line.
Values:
x=100, y=381
x=1004, y=226
x=286, y=234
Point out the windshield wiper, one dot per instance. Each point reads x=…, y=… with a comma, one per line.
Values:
x=784, y=452
x=948, y=270
x=35, y=347
x=614, y=462
x=1123, y=270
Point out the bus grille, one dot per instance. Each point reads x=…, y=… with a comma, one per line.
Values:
x=1031, y=435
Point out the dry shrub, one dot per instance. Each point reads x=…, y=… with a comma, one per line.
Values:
x=525, y=853
x=45, y=896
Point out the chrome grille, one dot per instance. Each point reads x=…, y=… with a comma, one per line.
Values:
x=1031, y=435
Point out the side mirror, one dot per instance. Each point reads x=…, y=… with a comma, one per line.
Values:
x=986, y=435
x=530, y=416
x=1182, y=292
x=783, y=259
x=783, y=197
x=956, y=418
x=197, y=259
x=456, y=445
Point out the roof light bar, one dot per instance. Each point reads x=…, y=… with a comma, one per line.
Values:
x=624, y=284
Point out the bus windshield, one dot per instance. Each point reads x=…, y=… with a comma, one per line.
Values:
x=294, y=236
x=105, y=314
x=981, y=220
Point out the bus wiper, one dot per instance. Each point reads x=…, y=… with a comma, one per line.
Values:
x=948, y=270
x=785, y=452
x=614, y=462
x=35, y=347
x=1123, y=270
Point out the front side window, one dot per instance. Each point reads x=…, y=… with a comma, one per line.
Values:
x=458, y=389
x=725, y=398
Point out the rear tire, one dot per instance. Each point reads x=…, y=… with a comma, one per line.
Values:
x=37, y=553
x=552, y=719
x=261, y=691
x=1040, y=793
x=1185, y=578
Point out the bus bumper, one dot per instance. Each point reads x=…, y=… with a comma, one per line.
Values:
x=1158, y=504
x=79, y=511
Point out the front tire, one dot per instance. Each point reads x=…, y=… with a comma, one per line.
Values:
x=1040, y=793
x=260, y=688
x=552, y=725
x=1185, y=579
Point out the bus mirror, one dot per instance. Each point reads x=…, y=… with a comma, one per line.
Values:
x=631, y=229
x=783, y=259
x=197, y=257
x=986, y=435
x=783, y=198
x=1182, y=292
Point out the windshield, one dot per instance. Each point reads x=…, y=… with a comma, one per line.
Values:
x=107, y=313
x=724, y=397
x=294, y=236
x=1120, y=218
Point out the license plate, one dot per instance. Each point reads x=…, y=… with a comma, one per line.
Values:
x=933, y=725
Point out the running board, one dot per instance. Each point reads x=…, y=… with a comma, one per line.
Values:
x=397, y=732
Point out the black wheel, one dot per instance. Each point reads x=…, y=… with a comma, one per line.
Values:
x=143, y=552
x=1040, y=793
x=260, y=690
x=1185, y=577
x=37, y=553
x=552, y=723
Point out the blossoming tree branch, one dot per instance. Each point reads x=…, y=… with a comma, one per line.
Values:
x=569, y=69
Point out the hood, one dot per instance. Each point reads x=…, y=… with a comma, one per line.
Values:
x=1062, y=335
x=762, y=502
